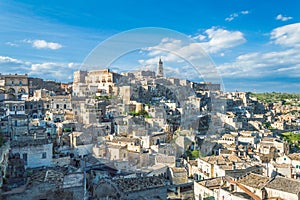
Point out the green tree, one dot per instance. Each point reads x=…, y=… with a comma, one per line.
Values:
x=192, y=154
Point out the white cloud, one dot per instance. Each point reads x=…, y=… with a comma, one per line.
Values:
x=235, y=15
x=231, y=17
x=38, y=44
x=216, y=40
x=176, y=48
x=288, y=35
x=11, y=44
x=6, y=59
x=283, y=18
x=270, y=64
x=284, y=62
x=9, y=65
x=245, y=12
x=220, y=39
x=199, y=37
x=47, y=70
x=296, y=67
x=42, y=44
x=54, y=71
x=177, y=53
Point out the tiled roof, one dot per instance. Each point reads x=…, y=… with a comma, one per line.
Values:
x=178, y=170
x=215, y=159
x=193, y=162
x=294, y=156
x=238, y=173
x=214, y=182
x=254, y=181
x=283, y=165
x=136, y=184
x=234, y=158
x=284, y=184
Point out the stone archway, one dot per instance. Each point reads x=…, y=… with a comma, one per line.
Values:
x=11, y=91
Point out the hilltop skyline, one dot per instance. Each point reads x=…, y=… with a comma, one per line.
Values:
x=254, y=45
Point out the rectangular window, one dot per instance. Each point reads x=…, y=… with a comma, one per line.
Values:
x=44, y=155
x=25, y=158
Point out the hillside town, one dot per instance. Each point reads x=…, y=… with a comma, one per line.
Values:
x=141, y=135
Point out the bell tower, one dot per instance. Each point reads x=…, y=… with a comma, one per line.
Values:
x=160, y=69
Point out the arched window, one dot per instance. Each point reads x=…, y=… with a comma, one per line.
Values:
x=11, y=91
x=22, y=91
x=15, y=107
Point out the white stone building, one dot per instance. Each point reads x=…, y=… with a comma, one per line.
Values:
x=36, y=153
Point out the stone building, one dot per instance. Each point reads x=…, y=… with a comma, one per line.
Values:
x=18, y=126
x=49, y=184
x=14, y=107
x=160, y=69
x=228, y=139
x=165, y=160
x=96, y=81
x=130, y=188
x=35, y=109
x=14, y=85
x=40, y=94
x=255, y=183
x=177, y=175
x=92, y=111
x=268, y=144
x=205, y=86
x=117, y=152
x=38, y=83
x=293, y=161
x=283, y=188
x=35, y=153
x=79, y=84
x=62, y=102
x=132, y=144
x=208, y=189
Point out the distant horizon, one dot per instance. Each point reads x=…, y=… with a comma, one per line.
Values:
x=70, y=82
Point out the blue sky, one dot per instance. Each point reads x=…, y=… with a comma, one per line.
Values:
x=254, y=44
